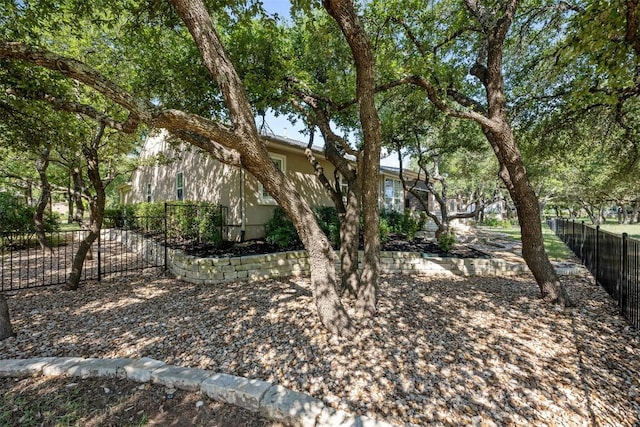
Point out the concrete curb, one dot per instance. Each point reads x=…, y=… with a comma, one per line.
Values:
x=270, y=400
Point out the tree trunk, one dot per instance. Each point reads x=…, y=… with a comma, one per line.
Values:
x=592, y=216
x=6, y=331
x=349, y=242
x=96, y=205
x=344, y=13
x=70, y=201
x=513, y=174
x=73, y=281
x=255, y=158
x=38, y=215
x=78, y=189
x=349, y=215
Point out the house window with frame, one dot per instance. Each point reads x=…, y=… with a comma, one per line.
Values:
x=180, y=186
x=280, y=162
x=393, y=195
x=148, y=198
x=344, y=188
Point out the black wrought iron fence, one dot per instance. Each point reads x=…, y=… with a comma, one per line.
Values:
x=123, y=245
x=195, y=224
x=132, y=243
x=126, y=243
x=613, y=260
x=25, y=264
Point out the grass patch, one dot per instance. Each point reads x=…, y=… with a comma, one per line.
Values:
x=633, y=230
x=556, y=249
x=73, y=226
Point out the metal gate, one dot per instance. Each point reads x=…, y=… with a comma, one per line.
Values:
x=119, y=250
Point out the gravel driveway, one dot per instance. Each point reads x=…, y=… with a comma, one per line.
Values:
x=481, y=351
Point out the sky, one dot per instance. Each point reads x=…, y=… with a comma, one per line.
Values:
x=280, y=125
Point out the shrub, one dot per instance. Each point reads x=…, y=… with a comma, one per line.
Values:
x=329, y=222
x=184, y=220
x=396, y=222
x=146, y=216
x=446, y=240
x=16, y=216
x=188, y=220
x=210, y=224
x=280, y=230
x=385, y=229
x=495, y=222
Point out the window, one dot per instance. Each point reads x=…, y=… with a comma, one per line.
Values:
x=263, y=195
x=393, y=195
x=148, y=192
x=180, y=186
x=344, y=188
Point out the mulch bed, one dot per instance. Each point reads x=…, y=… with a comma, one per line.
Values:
x=396, y=242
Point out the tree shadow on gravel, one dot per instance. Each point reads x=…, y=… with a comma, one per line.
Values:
x=95, y=402
x=440, y=350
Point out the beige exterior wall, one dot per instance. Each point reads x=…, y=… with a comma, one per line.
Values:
x=206, y=179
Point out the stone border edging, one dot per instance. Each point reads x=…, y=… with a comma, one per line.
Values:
x=210, y=271
x=270, y=400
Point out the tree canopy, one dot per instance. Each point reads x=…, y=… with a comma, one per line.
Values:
x=554, y=101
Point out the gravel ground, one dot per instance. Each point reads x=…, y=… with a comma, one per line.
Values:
x=441, y=351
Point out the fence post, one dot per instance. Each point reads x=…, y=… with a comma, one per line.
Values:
x=166, y=254
x=597, y=254
x=624, y=273
x=582, y=240
x=99, y=256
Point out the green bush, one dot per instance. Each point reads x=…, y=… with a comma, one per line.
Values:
x=446, y=240
x=185, y=220
x=280, y=230
x=16, y=216
x=396, y=222
x=147, y=216
x=329, y=223
x=210, y=224
x=495, y=222
x=385, y=229
x=188, y=220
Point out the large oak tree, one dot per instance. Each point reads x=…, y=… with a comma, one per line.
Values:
x=434, y=45
x=235, y=141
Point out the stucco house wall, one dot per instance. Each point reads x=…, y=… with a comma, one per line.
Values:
x=171, y=172
x=206, y=179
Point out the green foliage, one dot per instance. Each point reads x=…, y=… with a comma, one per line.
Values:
x=406, y=223
x=210, y=224
x=195, y=221
x=492, y=221
x=329, y=222
x=446, y=240
x=185, y=220
x=16, y=216
x=280, y=230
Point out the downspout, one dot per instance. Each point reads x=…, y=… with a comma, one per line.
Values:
x=243, y=219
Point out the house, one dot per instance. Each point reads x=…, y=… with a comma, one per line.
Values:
x=180, y=172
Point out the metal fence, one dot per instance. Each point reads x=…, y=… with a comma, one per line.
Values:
x=126, y=243
x=118, y=249
x=24, y=264
x=193, y=224
x=613, y=260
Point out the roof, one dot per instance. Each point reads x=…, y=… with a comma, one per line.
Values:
x=270, y=136
x=289, y=141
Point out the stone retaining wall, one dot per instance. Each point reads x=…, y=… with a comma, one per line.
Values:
x=269, y=400
x=295, y=263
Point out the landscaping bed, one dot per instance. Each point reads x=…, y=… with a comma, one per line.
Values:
x=455, y=351
x=395, y=243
